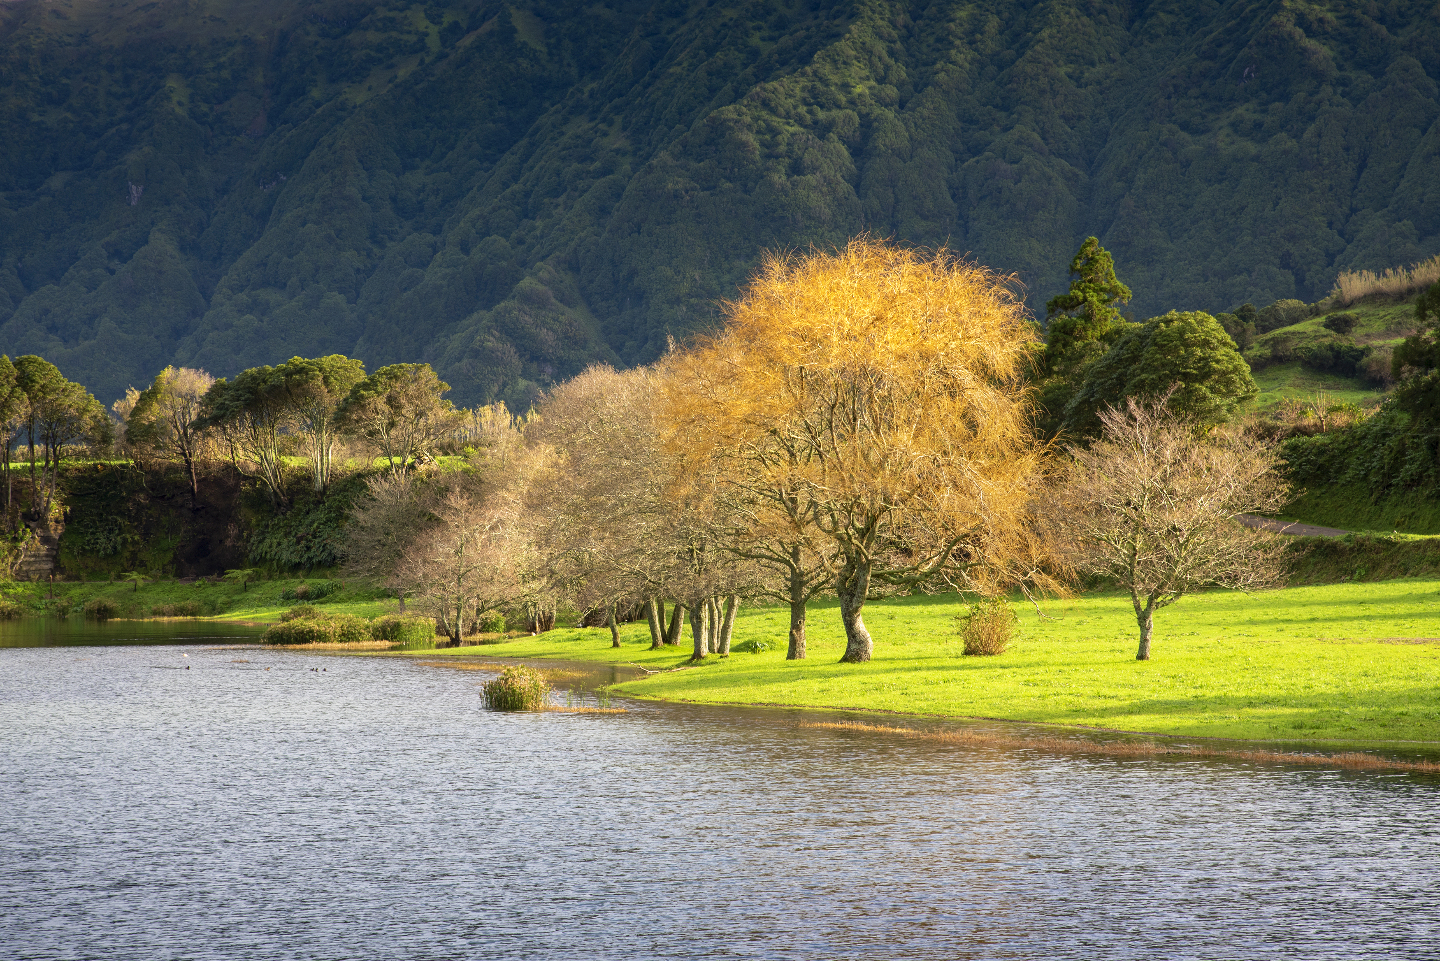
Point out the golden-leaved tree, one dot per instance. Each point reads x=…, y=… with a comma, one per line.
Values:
x=866, y=405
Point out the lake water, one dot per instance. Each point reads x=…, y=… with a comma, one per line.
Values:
x=204, y=801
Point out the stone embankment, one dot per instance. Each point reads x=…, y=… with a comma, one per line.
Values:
x=40, y=557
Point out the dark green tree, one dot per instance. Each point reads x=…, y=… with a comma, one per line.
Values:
x=1416, y=363
x=1189, y=353
x=13, y=405
x=399, y=410
x=1082, y=321
x=249, y=416
x=313, y=391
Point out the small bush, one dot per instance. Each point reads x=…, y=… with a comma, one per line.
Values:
x=1341, y=323
x=517, y=689
x=309, y=592
x=319, y=629
x=298, y=612
x=988, y=627
x=1282, y=313
x=181, y=609
x=9, y=610
x=100, y=609
x=492, y=622
x=407, y=631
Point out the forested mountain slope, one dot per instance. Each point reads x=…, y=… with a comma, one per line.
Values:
x=512, y=190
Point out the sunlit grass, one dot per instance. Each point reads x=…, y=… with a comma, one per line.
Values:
x=1350, y=663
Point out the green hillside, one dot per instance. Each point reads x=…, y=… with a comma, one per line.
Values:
x=512, y=190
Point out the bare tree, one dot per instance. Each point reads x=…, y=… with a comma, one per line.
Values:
x=382, y=528
x=1153, y=504
x=465, y=563
x=599, y=510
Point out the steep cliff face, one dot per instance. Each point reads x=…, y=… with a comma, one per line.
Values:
x=512, y=191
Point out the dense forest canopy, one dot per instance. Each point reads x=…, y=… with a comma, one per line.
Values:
x=513, y=190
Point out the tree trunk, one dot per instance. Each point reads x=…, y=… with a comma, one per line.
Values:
x=796, y=649
x=655, y=615
x=712, y=621
x=853, y=585
x=194, y=483
x=677, y=625
x=699, y=630
x=614, y=627
x=727, y=627
x=1145, y=617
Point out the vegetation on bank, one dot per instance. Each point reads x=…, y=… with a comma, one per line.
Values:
x=1348, y=663
x=260, y=600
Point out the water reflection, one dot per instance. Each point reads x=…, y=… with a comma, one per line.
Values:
x=252, y=807
x=78, y=632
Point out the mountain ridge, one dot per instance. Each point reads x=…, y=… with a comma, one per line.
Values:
x=512, y=191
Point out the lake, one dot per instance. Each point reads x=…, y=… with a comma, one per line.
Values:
x=215, y=800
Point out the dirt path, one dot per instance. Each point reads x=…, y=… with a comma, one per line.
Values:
x=1294, y=528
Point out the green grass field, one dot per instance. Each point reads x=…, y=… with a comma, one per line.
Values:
x=1357, y=664
x=226, y=601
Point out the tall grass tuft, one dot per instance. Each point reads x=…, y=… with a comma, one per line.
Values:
x=988, y=627
x=10, y=611
x=517, y=688
x=1395, y=282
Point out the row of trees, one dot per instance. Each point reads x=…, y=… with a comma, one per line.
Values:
x=42, y=410
x=862, y=425
x=304, y=406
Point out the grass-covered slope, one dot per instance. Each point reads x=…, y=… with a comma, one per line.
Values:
x=1346, y=663
x=513, y=190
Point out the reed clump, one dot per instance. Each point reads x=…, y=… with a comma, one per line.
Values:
x=1354, y=285
x=10, y=611
x=988, y=628
x=518, y=688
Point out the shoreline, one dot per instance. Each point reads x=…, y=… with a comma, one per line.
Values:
x=1346, y=754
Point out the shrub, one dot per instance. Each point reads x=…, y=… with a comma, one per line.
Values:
x=319, y=629
x=9, y=610
x=492, y=622
x=408, y=631
x=1334, y=357
x=100, y=609
x=1282, y=313
x=181, y=609
x=299, y=611
x=987, y=627
x=517, y=688
x=1341, y=323
x=1378, y=367
x=310, y=592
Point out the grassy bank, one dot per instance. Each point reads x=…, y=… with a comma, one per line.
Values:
x=1351, y=663
x=260, y=601
x=1350, y=507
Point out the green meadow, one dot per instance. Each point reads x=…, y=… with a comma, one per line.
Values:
x=1356, y=664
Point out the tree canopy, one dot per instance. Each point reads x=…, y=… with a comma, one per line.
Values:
x=1185, y=355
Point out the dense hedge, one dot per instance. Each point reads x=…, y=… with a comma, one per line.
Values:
x=1382, y=455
